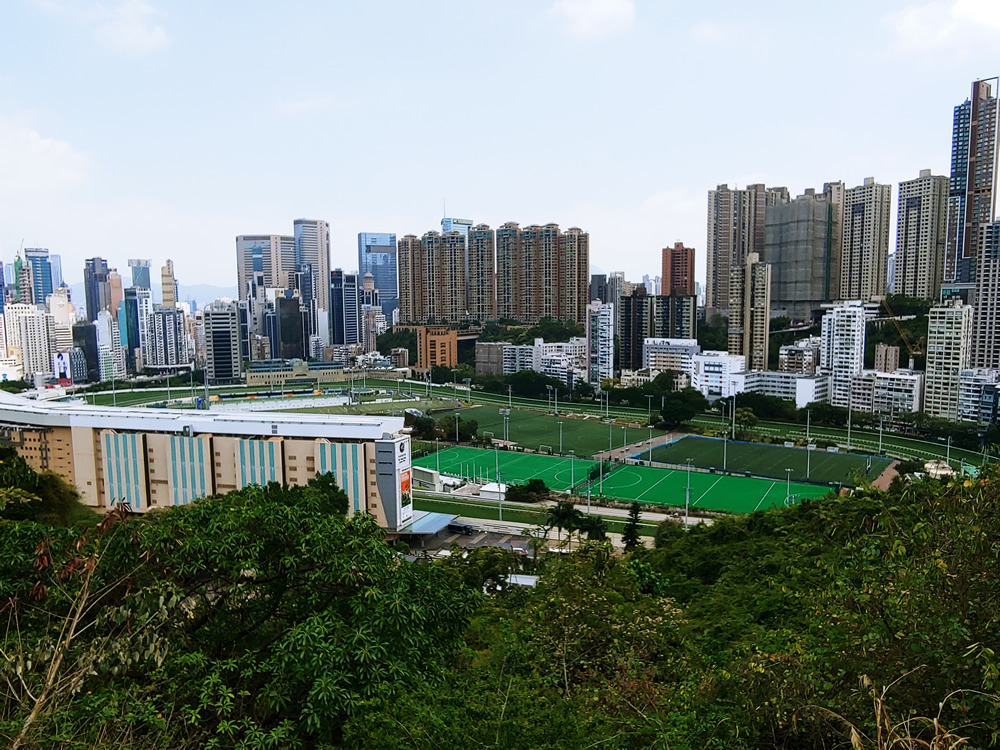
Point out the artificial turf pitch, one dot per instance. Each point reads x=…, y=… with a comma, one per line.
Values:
x=515, y=468
x=761, y=459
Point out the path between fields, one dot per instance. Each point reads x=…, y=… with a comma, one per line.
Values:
x=620, y=454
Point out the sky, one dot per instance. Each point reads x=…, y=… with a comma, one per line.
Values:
x=162, y=129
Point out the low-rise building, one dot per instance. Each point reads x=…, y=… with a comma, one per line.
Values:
x=801, y=388
x=978, y=392
x=887, y=394
x=670, y=354
x=711, y=371
x=801, y=356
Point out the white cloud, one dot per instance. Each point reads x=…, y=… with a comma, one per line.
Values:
x=34, y=165
x=128, y=26
x=594, y=18
x=944, y=25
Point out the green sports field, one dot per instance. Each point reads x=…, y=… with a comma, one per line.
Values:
x=708, y=491
x=531, y=429
x=769, y=460
x=558, y=473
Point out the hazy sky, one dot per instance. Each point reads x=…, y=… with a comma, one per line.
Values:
x=163, y=129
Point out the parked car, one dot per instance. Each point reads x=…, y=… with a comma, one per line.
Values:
x=461, y=528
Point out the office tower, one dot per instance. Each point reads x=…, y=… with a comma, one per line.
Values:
x=35, y=334
x=13, y=313
x=96, y=290
x=301, y=281
x=55, y=262
x=312, y=246
x=344, y=312
x=921, y=230
x=140, y=272
x=598, y=287
x=116, y=293
x=168, y=285
x=802, y=245
x=110, y=351
x=600, y=342
x=377, y=255
x=986, y=328
x=271, y=254
x=842, y=349
x=372, y=318
x=949, y=334
x=41, y=273
x=432, y=278
x=167, y=338
x=25, y=284
x=644, y=316
x=886, y=358
x=865, y=241
x=616, y=290
x=287, y=326
x=677, y=275
x=542, y=272
x=735, y=228
x=750, y=311
x=133, y=321
x=85, y=339
x=973, y=186
x=481, y=252
x=222, y=348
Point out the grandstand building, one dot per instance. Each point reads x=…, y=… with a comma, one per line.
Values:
x=153, y=458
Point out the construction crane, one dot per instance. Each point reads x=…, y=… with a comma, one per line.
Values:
x=919, y=349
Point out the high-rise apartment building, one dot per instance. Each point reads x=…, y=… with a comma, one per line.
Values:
x=973, y=186
x=735, y=228
x=432, y=286
x=168, y=285
x=949, y=337
x=140, y=272
x=865, y=241
x=37, y=258
x=802, y=245
x=542, y=272
x=643, y=316
x=481, y=270
x=750, y=311
x=167, y=338
x=222, y=348
x=600, y=342
x=677, y=274
x=986, y=323
x=312, y=246
x=345, y=325
x=599, y=287
x=96, y=290
x=842, y=348
x=377, y=256
x=35, y=334
x=271, y=254
x=921, y=230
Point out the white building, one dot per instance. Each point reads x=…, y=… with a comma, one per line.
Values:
x=842, y=353
x=801, y=388
x=13, y=313
x=977, y=395
x=110, y=352
x=600, y=342
x=35, y=335
x=676, y=355
x=949, y=350
x=887, y=394
x=567, y=362
x=711, y=372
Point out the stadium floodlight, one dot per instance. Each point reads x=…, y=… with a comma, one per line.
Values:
x=687, y=498
x=788, y=485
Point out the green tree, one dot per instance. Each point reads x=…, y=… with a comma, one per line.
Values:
x=563, y=516
x=533, y=491
x=746, y=420
x=630, y=534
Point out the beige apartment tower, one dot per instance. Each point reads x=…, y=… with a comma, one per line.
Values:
x=921, y=231
x=677, y=272
x=949, y=345
x=750, y=311
x=865, y=255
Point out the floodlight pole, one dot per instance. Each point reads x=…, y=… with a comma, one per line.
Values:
x=496, y=471
x=651, y=444
x=458, y=418
x=555, y=391
x=948, y=453
x=788, y=485
x=560, y=438
x=548, y=398
x=500, y=496
x=437, y=454
x=649, y=409
x=808, y=417
x=687, y=498
x=509, y=389
x=808, y=462
x=881, y=423
x=849, y=420
x=572, y=460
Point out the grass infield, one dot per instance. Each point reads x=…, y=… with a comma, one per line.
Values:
x=761, y=459
x=515, y=468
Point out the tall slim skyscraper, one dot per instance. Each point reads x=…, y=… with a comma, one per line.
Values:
x=949, y=338
x=481, y=268
x=677, y=270
x=865, y=253
x=312, y=246
x=986, y=322
x=96, y=289
x=168, y=285
x=842, y=351
x=140, y=272
x=57, y=272
x=802, y=245
x=973, y=186
x=41, y=272
x=600, y=342
x=117, y=292
x=735, y=228
x=271, y=254
x=345, y=325
x=921, y=229
x=750, y=311
x=377, y=256
x=222, y=348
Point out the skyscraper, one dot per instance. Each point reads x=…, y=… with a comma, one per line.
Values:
x=96, y=290
x=222, y=348
x=921, y=230
x=735, y=228
x=168, y=285
x=949, y=335
x=600, y=342
x=677, y=275
x=344, y=312
x=57, y=272
x=432, y=277
x=599, y=287
x=842, y=351
x=312, y=246
x=986, y=322
x=41, y=273
x=642, y=316
x=271, y=254
x=802, y=245
x=133, y=322
x=140, y=272
x=750, y=311
x=973, y=185
x=865, y=241
x=377, y=256
x=481, y=268
x=167, y=338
